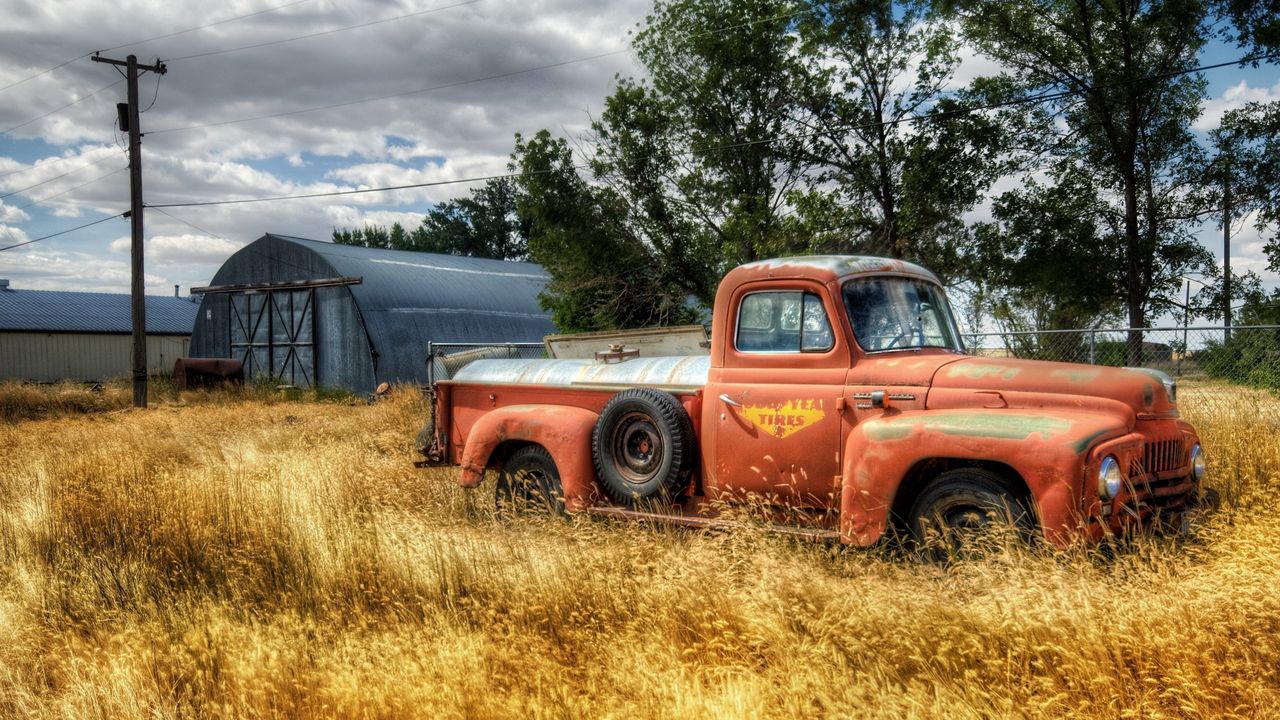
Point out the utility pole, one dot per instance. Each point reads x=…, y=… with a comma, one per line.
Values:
x=138, y=286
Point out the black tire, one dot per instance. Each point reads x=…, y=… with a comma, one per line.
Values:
x=529, y=482
x=643, y=446
x=964, y=510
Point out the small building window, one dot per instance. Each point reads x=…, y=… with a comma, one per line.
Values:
x=783, y=322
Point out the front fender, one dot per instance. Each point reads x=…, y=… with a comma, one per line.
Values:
x=1047, y=449
x=564, y=431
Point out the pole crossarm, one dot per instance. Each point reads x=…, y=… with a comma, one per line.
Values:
x=159, y=68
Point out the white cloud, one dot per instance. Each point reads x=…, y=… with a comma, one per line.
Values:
x=181, y=248
x=46, y=269
x=464, y=127
x=972, y=65
x=10, y=235
x=1236, y=96
x=10, y=213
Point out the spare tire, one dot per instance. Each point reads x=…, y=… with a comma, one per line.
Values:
x=643, y=446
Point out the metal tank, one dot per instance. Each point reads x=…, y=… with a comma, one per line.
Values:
x=686, y=372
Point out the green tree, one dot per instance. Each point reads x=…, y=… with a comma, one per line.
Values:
x=1125, y=118
x=1050, y=256
x=896, y=166
x=484, y=224
x=603, y=275
x=1249, y=138
x=370, y=236
x=695, y=148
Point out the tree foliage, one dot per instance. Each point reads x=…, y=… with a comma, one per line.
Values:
x=1051, y=256
x=603, y=276
x=695, y=146
x=763, y=128
x=894, y=165
x=1250, y=138
x=1123, y=117
x=484, y=224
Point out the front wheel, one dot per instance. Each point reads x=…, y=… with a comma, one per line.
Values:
x=529, y=482
x=966, y=511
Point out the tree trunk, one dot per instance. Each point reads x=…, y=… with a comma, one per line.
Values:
x=1134, y=287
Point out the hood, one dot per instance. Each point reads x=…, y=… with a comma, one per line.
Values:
x=1036, y=383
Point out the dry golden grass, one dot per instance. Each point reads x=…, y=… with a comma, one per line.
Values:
x=236, y=557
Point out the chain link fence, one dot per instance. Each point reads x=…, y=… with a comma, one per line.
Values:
x=445, y=359
x=1201, y=358
x=1248, y=355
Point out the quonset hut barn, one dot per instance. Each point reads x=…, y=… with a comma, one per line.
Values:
x=314, y=313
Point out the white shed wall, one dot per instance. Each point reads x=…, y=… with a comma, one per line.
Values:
x=48, y=357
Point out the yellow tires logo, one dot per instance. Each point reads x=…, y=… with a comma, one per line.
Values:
x=785, y=419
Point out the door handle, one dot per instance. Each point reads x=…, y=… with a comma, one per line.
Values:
x=724, y=398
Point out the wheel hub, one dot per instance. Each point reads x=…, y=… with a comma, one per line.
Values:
x=638, y=445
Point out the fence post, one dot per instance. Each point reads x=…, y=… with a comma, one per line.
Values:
x=1093, y=358
x=431, y=366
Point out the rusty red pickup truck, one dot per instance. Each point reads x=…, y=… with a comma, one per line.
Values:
x=837, y=399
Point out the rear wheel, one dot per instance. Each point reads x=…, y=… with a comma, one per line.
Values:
x=529, y=482
x=969, y=512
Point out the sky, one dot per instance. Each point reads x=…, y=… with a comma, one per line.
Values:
x=423, y=91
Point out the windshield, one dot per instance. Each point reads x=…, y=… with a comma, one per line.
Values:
x=895, y=313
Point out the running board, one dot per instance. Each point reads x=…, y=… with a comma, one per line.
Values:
x=695, y=521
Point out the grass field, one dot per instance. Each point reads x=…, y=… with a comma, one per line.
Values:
x=250, y=556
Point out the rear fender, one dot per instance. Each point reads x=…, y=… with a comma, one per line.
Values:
x=564, y=431
x=1047, y=450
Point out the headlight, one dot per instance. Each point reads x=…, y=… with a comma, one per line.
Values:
x=1109, y=478
x=1198, y=464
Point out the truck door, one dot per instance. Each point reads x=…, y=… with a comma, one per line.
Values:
x=775, y=422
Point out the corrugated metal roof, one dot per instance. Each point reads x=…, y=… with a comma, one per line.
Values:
x=405, y=299
x=57, y=311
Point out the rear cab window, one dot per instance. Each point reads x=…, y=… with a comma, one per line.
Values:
x=790, y=321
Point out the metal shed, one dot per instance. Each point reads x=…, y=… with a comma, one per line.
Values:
x=314, y=313
x=48, y=335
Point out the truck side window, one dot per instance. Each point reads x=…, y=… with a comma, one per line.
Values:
x=782, y=322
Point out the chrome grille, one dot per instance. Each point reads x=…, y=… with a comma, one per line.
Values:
x=1159, y=489
x=1161, y=455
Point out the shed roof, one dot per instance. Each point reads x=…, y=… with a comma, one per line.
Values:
x=408, y=298
x=86, y=312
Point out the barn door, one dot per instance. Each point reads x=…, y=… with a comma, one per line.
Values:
x=273, y=334
x=293, y=358
x=250, y=333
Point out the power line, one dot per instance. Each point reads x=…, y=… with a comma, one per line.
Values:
x=205, y=26
x=64, y=232
x=57, y=177
x=64, y=63
x=47, y=198
x=458, y=83
x=231, y=50
x=335, y=193
x=185, y=222
x=323, y=32
x=151, y=39
x=461, y=83
x=64, y=107
x=46, y=166
x=1033, y=99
